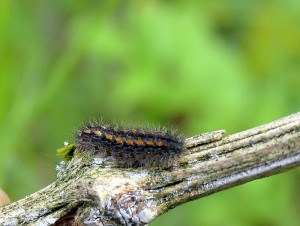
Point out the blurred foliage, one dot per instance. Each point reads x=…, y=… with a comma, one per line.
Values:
x=198, y=65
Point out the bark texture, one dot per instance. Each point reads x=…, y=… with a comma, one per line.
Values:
x=94, y=191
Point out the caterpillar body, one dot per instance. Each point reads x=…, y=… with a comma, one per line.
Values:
x=131, y=147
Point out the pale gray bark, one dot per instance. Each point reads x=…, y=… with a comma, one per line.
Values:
x=94, y=191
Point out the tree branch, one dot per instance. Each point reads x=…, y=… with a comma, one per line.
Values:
x=94, y=191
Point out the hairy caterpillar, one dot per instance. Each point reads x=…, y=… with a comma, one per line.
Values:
x=131, y=147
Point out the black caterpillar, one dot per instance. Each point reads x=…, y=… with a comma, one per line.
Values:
x=131, y=147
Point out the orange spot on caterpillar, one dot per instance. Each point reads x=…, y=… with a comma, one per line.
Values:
x=134, y=131
x=162, y=134
x=119, y=140
x=129, y=142
x=139, y=142
x=143, y=132
x=160, y=143
x=150, y=143
x=125, y=131
x=87, y=131
x=108, y=136
x=97, y=132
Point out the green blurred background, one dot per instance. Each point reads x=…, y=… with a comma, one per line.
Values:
x=198, y=65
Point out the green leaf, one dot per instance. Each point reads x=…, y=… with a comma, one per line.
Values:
x=66, y=152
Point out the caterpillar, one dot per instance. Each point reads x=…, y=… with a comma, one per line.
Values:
x=131, y=147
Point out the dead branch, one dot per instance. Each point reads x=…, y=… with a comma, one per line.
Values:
x=94, y=191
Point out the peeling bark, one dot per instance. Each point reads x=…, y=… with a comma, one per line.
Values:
x=94, y=191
